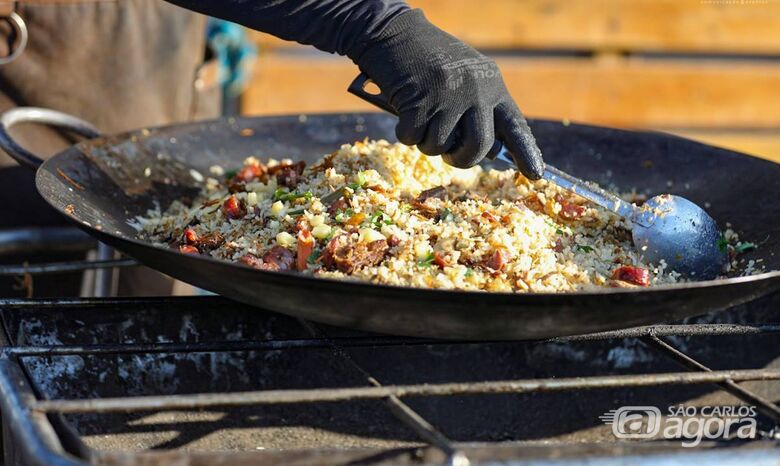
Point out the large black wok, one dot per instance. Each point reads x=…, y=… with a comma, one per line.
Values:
x=102, y=183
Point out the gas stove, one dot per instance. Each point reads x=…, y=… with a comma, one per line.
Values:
x=204, y=381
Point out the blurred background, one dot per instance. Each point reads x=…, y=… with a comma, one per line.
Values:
x=704, y=69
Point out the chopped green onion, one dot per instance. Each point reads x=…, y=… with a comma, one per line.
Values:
x=446, y=215
x=744, y=247
x=584, y=248
x=231, y=173
x=313, y=257
x=332, y=197
x=344, y=215
x=428, y=261
x=469, y=272
x=722, y=244
x=296, y=212
x=378, y=219
x=361, y=179
x=282, y=195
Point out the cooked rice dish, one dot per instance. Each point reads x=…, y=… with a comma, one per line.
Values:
x=386, y=213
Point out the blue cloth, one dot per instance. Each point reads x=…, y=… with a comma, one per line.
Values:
x=235, y=52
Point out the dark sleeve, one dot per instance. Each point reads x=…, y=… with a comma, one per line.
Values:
x=331, y=25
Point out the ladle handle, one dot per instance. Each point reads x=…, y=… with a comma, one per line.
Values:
x=594, y=194
x=43, y=116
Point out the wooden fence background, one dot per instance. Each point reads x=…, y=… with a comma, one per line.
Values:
x=705, y=69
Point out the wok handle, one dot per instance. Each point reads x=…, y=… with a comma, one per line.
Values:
x=43, y=116
x=358, y=88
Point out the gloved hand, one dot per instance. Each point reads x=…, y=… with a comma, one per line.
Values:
x=450, y=98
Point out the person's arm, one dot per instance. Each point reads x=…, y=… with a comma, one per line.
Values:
x=442, y=88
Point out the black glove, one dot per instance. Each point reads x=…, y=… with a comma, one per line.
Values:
x=450, y=98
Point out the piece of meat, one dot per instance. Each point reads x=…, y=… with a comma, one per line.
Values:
x=439, y=192
x=290, y=175
x=393, y=241
x=327, y=162
x=235, y=186
x=633, y=275
x=252, y=261
x=338, y=205
x=232, y=208
x=346, y=256
x=210, y=241
x=569, y=210
x=278, y=258
x=305, y=249
x=298, y=167
x=430, y=201
x=498, y=260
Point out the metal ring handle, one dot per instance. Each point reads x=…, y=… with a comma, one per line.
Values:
x=21, y=30
x=358, y=88
x=43, y=116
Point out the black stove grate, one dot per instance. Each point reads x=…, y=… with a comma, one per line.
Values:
x=35, y=422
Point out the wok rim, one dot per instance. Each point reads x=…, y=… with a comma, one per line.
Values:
x=368, y=287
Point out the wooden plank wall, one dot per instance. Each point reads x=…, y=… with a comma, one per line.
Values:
x=707, y=69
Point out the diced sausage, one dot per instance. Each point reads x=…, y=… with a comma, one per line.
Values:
x=439, y=260
x=250, y=173
x=569, y=210
x=232, y=208
x=633, y=275
x=190, y=236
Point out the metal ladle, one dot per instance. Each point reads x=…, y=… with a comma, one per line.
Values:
x=666, y=227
